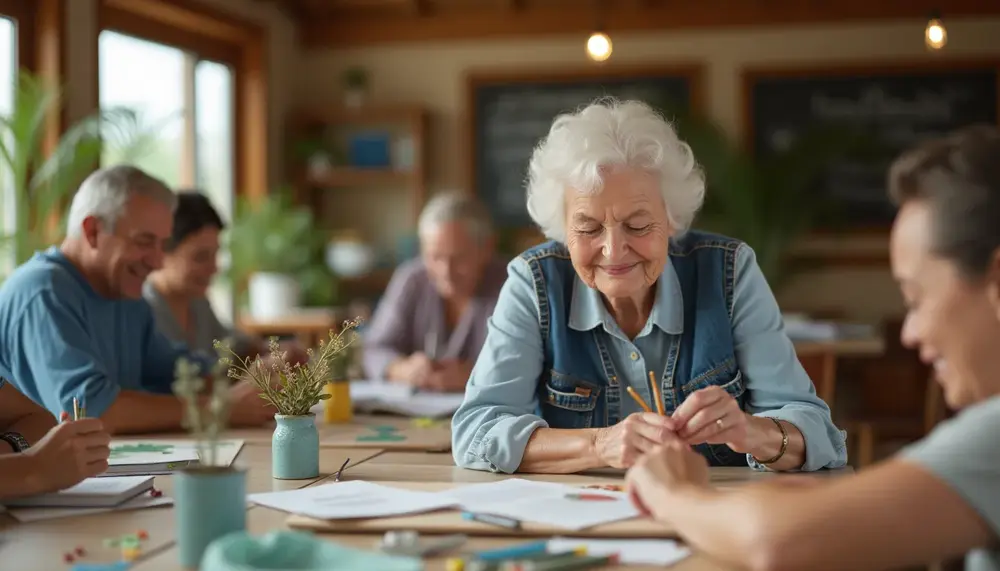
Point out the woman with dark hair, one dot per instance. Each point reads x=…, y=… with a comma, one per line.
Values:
x=940, y=497
x=177, y=292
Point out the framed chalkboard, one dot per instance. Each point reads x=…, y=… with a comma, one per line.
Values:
x=893, y=106
x=509, y=114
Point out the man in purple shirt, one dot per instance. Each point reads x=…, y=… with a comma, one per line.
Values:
x=431, y=323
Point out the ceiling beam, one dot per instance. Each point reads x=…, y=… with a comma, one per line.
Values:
x=528, y=21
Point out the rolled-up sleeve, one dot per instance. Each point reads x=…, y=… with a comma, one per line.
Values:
x=498, y=415
x=778, y=385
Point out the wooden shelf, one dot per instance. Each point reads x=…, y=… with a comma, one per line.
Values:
x=345, y=177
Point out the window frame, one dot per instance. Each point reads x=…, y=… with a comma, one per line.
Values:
x=210, y=35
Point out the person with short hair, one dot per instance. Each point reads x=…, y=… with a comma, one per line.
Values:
x=625, y=299
x=938, y=498
x=430, y=325
x=75, y=324
x=178, y=291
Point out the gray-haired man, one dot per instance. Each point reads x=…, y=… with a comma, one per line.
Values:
x=74, y=321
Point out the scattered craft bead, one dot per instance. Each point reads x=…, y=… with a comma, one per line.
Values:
x=80, y=551
x=68, y=557
x=142, y=534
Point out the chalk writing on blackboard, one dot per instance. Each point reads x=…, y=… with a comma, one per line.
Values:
x=894, y=110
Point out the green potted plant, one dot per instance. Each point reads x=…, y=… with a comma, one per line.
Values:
x=297, y=388
x=210, y=498
x=315, y=154
x=355, y=86
x=276, y=256
x=42, y=182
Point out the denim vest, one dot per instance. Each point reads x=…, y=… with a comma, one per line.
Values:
x=579, y=387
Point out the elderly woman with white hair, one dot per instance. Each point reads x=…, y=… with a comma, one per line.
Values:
x=431, y=323
x=626, y=312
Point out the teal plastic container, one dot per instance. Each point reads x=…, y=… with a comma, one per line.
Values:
x=210, y=502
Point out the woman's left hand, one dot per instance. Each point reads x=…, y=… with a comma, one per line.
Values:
x=712, y=416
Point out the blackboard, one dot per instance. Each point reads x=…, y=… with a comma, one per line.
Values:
x=894, y=107
x=510, y=114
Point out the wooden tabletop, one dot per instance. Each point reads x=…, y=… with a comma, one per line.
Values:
x=41, y=545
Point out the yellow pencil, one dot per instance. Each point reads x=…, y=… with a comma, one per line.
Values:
x=657, y=395
x=635, y=396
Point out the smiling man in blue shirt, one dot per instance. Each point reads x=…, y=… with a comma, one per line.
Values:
x=75, y=323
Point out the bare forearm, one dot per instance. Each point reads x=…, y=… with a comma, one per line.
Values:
x=32, y=426
x=137, y=413
x=17, y=477
x=560, y=451
x=765, y=443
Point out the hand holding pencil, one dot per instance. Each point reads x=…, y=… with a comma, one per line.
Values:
x=68, y=454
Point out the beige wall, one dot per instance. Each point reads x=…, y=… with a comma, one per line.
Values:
x=432, y=75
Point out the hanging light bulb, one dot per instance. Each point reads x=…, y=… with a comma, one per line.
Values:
x=935, y=36
x=599, y=46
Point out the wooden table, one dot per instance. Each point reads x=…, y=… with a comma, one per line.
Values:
x=41, y=545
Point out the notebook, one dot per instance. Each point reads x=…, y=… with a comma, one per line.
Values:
x=105, y=492
x=148, y=457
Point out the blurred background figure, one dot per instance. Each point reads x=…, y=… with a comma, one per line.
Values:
x=178, y=292
x=430, y=326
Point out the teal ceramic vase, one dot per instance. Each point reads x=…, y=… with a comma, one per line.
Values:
x=210, y=502
x=295, y=448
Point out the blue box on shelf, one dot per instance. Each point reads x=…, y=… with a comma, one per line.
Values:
x=371, y=150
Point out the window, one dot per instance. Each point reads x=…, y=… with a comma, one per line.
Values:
x=8, y=81
x=185, y=106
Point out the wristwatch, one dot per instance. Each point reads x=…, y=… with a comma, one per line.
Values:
x=16, y=441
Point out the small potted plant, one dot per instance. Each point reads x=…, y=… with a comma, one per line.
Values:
x=210, y=499
x=355, y=87
x=293, y=390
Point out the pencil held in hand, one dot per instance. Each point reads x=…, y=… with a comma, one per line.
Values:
x=635, y=396
x=657, y=395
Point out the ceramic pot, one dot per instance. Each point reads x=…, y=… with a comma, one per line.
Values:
x=210, y=502
x=273, y=296
x=295, y=448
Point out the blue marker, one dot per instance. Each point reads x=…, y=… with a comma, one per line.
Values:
x=512, y=552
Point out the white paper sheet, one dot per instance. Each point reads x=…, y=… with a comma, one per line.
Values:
x=355, y=499
x=632, y=551
x=475, y=497
x=25, y=515
x=543, y=502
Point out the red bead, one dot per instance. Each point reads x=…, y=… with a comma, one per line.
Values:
x=68, y=558
x=142, y=534
x=80, y=551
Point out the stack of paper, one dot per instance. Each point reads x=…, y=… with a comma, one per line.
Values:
x=93, y=495
x=349, y=500
x=557, y=505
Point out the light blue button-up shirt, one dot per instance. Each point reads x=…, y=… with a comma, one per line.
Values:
x=491, y=429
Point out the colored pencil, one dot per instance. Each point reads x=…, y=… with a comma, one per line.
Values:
x=657, y=395
x=76, y=409
x=509, y=523
x=635, y=396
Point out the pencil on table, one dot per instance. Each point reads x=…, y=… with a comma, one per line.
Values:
x=657, y=395
x=635, y=396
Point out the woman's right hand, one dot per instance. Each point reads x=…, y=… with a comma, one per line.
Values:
x=619, y=446
x=68, y=454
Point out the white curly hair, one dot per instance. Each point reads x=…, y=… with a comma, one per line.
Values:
x=608, y=133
